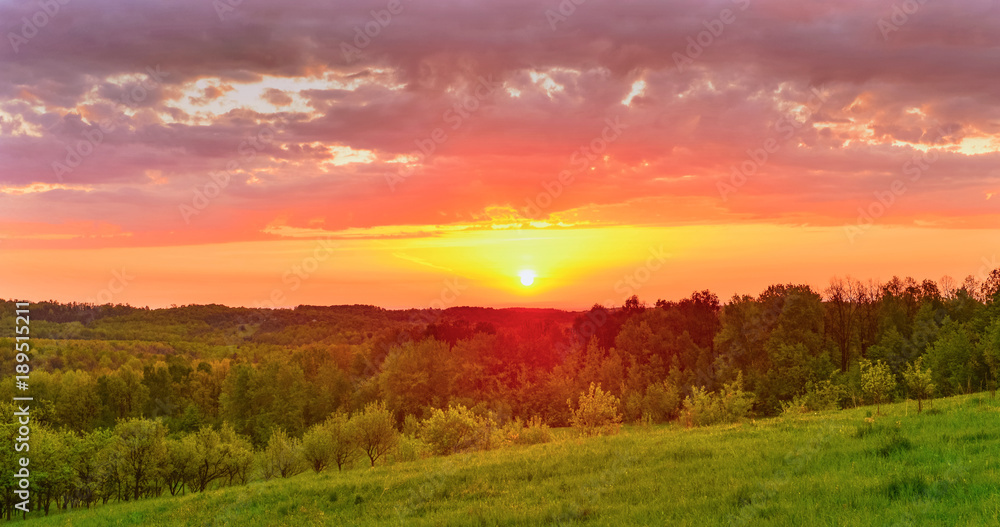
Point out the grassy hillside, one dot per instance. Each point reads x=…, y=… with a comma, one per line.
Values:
x=941, y=467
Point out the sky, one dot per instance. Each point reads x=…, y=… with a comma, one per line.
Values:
x=507, y=153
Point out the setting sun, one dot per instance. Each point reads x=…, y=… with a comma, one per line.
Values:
x=527, y=278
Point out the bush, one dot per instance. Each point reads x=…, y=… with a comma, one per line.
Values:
x=877, y=382
x=596, y=412
x=661, y=402
x=409, y=448
x=824, y=395
x=457, y=429
x=533, y=432
x=729, y=405
x=918, y=381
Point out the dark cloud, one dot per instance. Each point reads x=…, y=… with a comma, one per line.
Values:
x=750, y=72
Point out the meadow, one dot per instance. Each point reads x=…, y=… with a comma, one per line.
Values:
x=838, y=467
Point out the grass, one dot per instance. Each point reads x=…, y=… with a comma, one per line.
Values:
x=828, y=468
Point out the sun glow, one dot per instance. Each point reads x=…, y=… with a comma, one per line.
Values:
x=527, y=277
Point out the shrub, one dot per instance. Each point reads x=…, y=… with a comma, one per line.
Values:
x=409, y=448
x=699, y=408
x=596, y=412
x=457, y=429
x=533, y=432
x=411, y=425
x=877, y=382
x=918, y=381
x=661, y=402
x=735, y=403
x=729, y=405
x=824, y=395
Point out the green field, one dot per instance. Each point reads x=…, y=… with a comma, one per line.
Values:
x=941, y=467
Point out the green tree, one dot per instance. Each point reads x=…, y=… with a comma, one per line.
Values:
x=317, y=447
x=952, y=359
x=343, y=437
x=991, y=354
x=283, y=456
x=78, y=404
x=877, y=382
x=376, y=431
x=179, y=465
x=918, y=382
x=140, y=450
x=417, y=376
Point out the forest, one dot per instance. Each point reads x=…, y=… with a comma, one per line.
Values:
x=135, y=402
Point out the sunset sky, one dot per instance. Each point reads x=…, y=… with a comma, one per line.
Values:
x=267, y=153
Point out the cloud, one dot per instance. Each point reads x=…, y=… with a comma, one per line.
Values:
x=419, y=83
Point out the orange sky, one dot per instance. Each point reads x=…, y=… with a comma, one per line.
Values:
x=248, y=159
x=574, y=267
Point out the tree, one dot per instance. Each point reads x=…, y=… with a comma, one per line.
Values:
x=918, y=381
x=376, y=431
x=214, y=455
x=877, y=382
x=179, y=466
x=141, y=451
x=282, y=456
x=78, y=403
x=343, y=438
x=317, y=447
x=842, y=313
x=417, y=376
x=991, y=354
x=455, y=430
x=952, y=358
x=596, y=412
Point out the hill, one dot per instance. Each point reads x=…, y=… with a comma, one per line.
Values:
x=827, y=468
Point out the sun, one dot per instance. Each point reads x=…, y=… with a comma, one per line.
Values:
x=527, y=277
